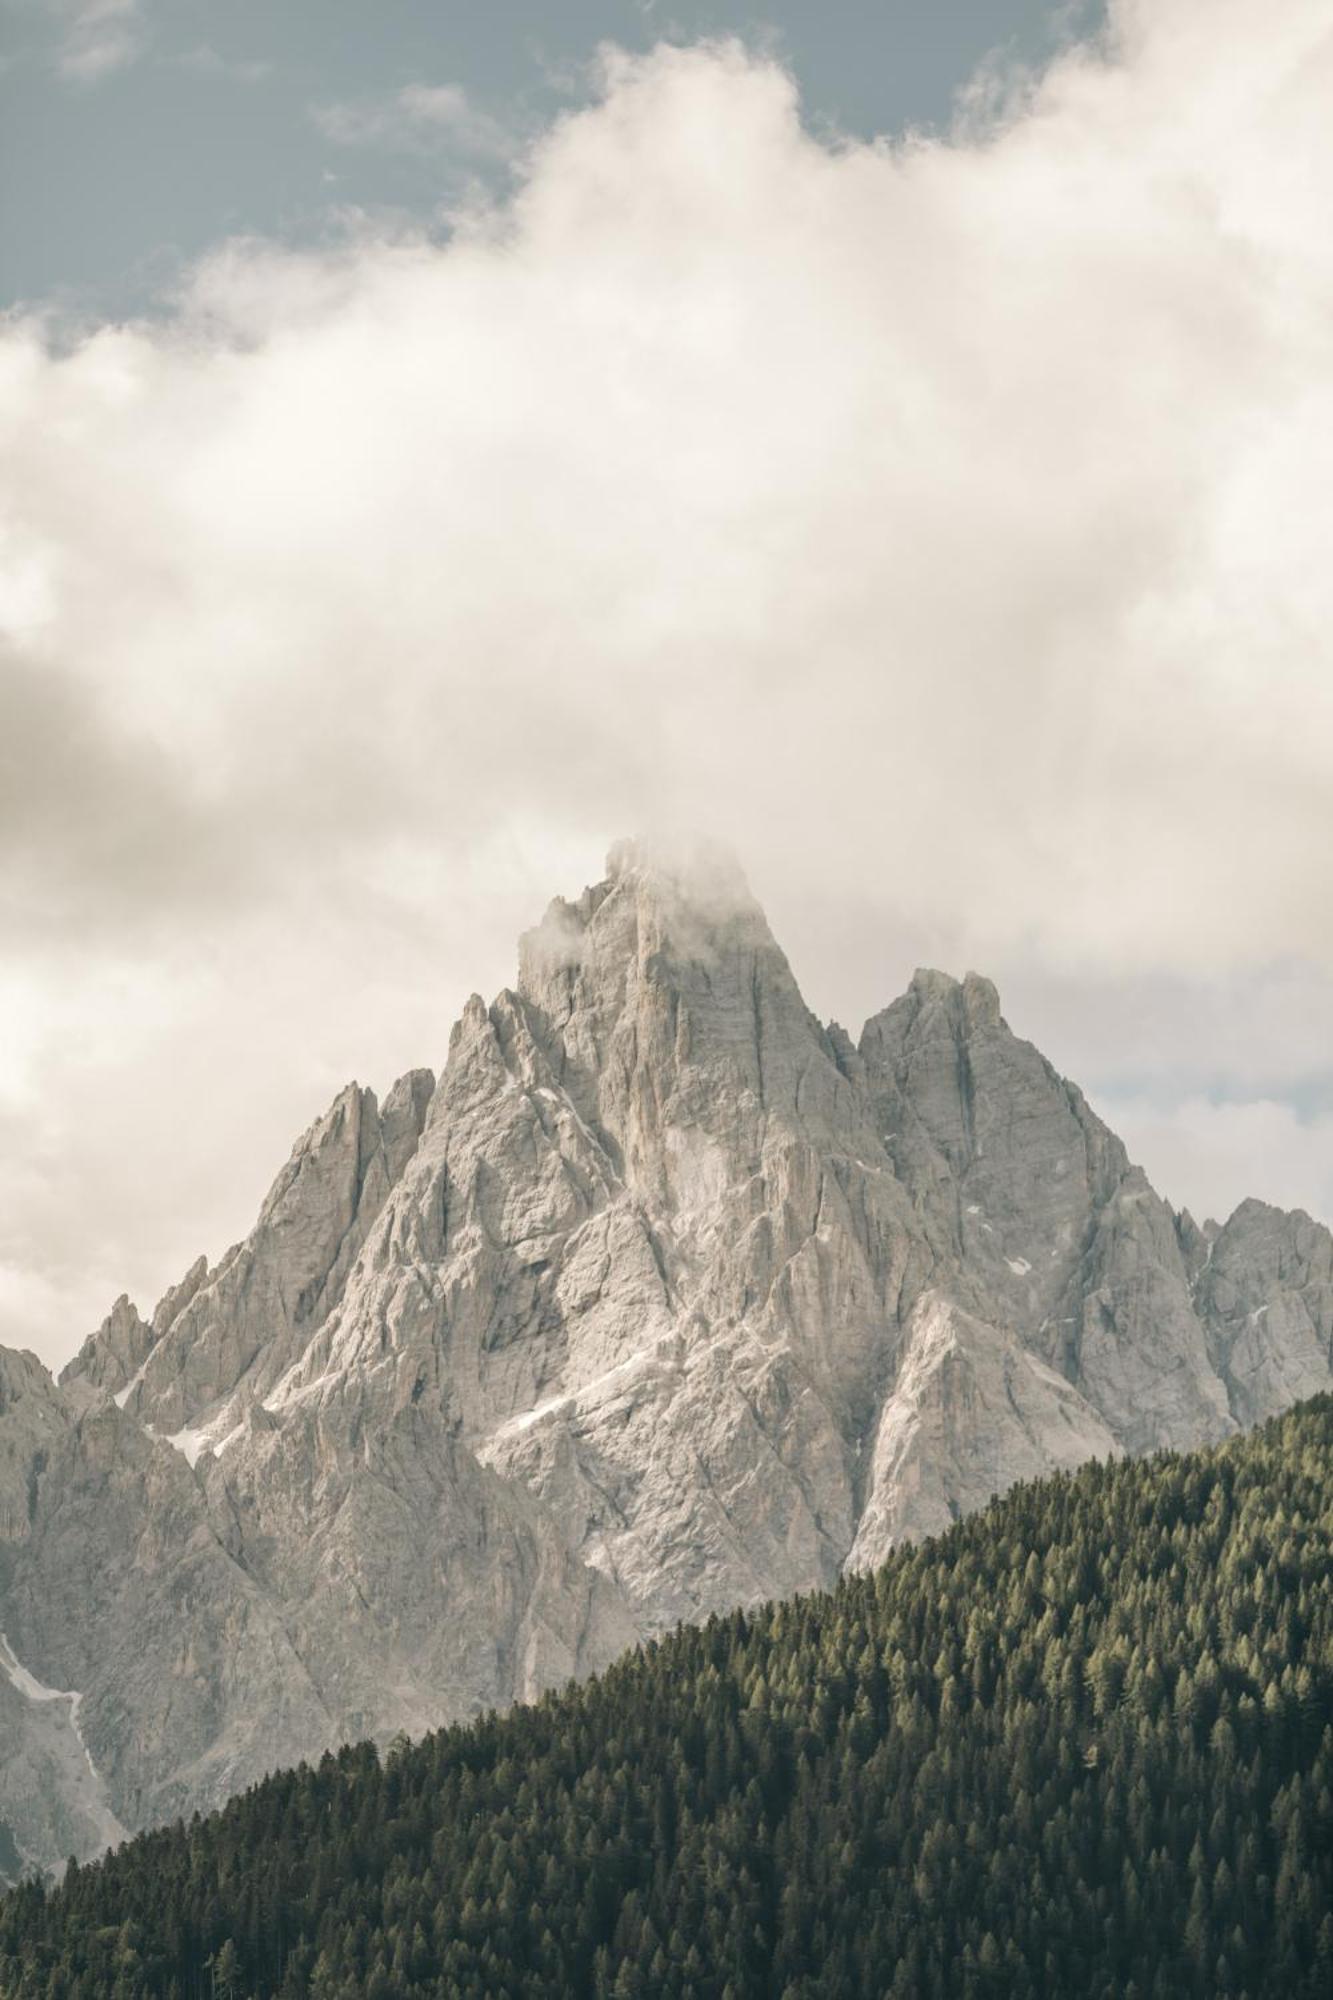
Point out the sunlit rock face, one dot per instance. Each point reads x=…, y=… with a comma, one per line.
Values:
x=663, y=1298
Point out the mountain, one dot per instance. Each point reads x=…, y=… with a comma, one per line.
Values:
x=1080, y=1747
x=664, y=1298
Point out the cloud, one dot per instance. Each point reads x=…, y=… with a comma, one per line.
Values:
x=942, y=524
x=98, y=36
x=204, y=60
x=421, y=118
x=82, y=808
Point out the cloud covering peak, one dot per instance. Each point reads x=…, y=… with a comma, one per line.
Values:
x=943, y=524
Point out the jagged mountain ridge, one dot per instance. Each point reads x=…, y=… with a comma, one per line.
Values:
x=665, y=1297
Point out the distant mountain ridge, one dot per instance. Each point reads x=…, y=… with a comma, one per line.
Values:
x=664, y=1298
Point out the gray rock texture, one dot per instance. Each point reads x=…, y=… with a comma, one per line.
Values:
x=665, y=1298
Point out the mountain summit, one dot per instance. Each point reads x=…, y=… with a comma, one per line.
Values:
x=664, y=1298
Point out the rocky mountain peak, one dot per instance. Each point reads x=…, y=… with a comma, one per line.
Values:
x=226, y=1333
x=654, y=913
x=111, y=1357
x=967, y=1005
x=25, y=1382
x=666, y=1006
x=664, y=1298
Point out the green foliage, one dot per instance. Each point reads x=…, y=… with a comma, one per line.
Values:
x=1082, y=1746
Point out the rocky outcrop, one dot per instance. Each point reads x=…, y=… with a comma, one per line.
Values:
x=665, y=1298
x=1264, y=1292
x=222, y=1337
x=110, y=1360
x=1043, y=1224
x=971, y=1411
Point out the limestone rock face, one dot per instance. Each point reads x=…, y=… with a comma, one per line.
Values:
x=1265, y=1295
x=34, y=1418
x=223, y=1335
x=1035, y=1204
x=665, y=1298
x=971, y=1411
x=111, y=1358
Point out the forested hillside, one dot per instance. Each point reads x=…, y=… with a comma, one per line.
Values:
x=1080, y=1745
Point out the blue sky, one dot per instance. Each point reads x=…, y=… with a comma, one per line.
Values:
x=135, y=133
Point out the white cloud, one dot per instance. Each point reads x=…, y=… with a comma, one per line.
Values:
x=944, y=525
x=421, y=118
x=98, y=36
x=204, y=60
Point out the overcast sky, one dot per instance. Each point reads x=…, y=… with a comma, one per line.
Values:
x=430, y=450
